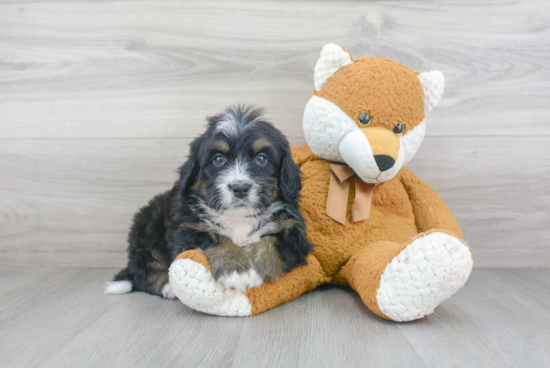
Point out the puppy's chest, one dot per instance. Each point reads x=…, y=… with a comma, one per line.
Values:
x=241, y=230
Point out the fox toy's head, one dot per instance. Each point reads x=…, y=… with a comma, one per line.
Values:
x=368, y=113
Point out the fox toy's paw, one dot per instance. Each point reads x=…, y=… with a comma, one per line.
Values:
x=193, y=284
x=425, y=273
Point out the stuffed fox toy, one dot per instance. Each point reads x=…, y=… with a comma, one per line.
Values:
x=376, y=226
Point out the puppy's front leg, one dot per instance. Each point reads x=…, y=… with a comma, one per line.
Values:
x=265, y=258
x=231, y=266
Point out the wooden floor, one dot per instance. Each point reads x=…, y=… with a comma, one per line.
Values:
x=59, y=317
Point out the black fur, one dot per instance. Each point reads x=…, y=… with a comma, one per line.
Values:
x=179, y=219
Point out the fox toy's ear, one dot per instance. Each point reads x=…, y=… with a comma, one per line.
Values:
x=333, y=57
x=433, y=84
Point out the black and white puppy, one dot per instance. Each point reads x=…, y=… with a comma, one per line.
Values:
x=236, y=199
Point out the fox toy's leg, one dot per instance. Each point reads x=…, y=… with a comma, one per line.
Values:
x=404, y=282
x=193, y=284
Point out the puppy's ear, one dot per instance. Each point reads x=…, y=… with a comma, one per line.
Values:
x=290, y=182
x=188, y=174
x=189, y=171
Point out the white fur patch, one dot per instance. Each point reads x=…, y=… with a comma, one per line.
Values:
x=333, y=57
x=195, y=287
x=229, y=126
x=421, y=276
x=325, y=124
x=118, y=287
x=167, y=292
x=242, y=225
x=241, y=281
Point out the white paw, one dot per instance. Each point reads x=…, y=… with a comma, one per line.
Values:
x=421, y=276
x=167, y=292
x=242, y=281
x=195, y=287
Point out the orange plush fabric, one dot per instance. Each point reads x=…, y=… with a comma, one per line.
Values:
x=356, y=90
x=195, y=255
x=288, y=287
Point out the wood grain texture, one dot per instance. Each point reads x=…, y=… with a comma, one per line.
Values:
x=70, y=201
x=155, y=69
x=100, y=99
x=500, y=318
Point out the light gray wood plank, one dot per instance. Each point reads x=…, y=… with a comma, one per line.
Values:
x=145, y=330
x=498, y=190
x=70, y=202
x=292, y=334
x=500, y=318
x=139, y=69
x=297, y=332
x=40, y=318
x=15, y=278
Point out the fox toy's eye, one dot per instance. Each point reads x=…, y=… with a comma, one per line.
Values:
x=364, y=119
x=219, y=160
x=398, y=129
x=261, y=159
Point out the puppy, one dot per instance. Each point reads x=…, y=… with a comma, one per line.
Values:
x=236, y=199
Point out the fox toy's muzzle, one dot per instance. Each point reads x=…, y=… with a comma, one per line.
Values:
x=373, y=153
x=385, y=146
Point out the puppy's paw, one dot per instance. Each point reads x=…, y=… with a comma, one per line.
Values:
x=240, y=281
x=167, y=291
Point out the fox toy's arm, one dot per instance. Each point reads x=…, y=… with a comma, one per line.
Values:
x=430, y=211
x=301, y=154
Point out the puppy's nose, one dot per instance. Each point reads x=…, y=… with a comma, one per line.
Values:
x=240, y=190
x=384, y=162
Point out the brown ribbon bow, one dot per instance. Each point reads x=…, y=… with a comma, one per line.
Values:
x=338, y=192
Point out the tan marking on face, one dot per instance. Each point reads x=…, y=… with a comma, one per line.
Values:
x=203, y=186
x=383, y=141
x=221, y=146
x=260, y=144
x=386, y=90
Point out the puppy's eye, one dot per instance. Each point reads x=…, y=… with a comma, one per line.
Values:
x=219, y=160
x=261, y=159
x=364, y=119
x=398, y=129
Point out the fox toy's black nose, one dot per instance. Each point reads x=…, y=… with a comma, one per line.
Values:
x=384, y=162
x=240, y=190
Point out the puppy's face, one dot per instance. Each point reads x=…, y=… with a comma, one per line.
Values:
x=239, y=173
x=241, y=162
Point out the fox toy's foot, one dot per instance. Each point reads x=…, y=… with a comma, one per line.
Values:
x=193, y=284
x=407, y=282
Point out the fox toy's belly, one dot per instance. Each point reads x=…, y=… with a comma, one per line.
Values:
x=391, y=218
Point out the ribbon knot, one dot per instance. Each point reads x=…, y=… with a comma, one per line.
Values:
x=338, y=192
